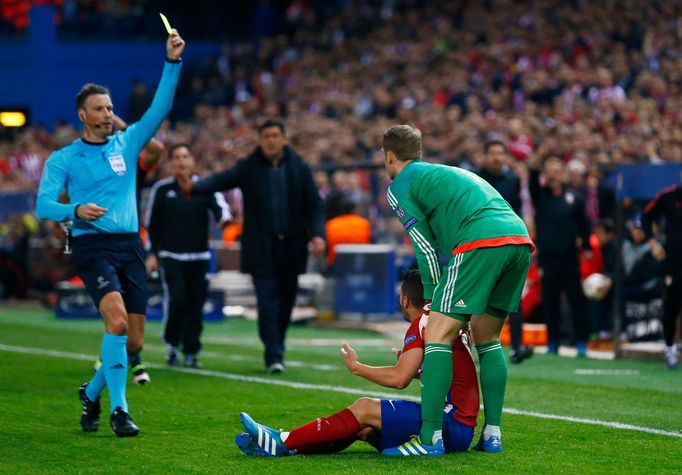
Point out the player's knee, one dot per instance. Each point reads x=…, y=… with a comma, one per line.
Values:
x=441, y=328
x=134, y=345
x=363, y=408
x=117, y=326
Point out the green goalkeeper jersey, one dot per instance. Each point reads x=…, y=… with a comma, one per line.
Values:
x=452, y=210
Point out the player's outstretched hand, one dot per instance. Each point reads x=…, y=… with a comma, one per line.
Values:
x=175, y=45
x=90, y=212
x=350, y=357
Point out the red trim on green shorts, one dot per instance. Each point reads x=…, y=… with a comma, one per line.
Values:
x=495, y=242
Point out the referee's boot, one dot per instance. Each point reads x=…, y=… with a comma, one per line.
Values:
x=91, y=411
x=123, y=424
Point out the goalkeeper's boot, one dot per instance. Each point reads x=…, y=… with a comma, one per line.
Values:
x=122, y=424
x=140, y=374
x=266, y=438
x=492, y=443
x=91, y=411
x=415, y=446
x=248, y=445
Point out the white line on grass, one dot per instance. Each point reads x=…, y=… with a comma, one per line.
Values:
x=231, y=357
x=340, y=389
x=607, y=372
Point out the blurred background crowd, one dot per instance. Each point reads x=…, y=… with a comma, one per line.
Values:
x=593, y=83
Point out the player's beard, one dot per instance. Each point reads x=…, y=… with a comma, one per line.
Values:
x=102, y=130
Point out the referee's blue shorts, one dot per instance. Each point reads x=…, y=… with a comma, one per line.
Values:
x=400, y=420
x=112, y=262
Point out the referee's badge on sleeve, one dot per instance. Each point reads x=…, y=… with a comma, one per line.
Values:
x=117, y=164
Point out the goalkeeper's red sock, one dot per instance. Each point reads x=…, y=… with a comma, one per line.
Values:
x=341, y=425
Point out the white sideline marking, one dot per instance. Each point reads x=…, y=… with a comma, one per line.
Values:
x=231, y=357
x=340, y=389
x=301, y=341
x=607, y=372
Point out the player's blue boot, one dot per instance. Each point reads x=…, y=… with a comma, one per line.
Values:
x=492, y=444
x=265, y=437
x=248, y=445
x=415, y=446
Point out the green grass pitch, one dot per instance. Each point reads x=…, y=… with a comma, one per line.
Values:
x=567, y=415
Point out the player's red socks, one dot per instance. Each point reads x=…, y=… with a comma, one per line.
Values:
x=342, y=425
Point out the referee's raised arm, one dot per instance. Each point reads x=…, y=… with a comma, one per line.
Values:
x=139, y=133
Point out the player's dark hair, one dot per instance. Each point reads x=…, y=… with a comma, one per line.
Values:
x=347, y=205
x=177, y=146
x=88, y=90
x=492, y=143
x=413, y=288
x=267, y=123
x=607, y=224
x=404, y=141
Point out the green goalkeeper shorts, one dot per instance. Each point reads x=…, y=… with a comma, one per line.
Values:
x=484, y=280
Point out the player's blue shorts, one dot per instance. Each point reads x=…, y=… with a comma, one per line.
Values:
x=400, y=420
x=112, y=262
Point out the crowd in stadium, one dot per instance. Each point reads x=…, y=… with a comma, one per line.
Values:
x=593, y=83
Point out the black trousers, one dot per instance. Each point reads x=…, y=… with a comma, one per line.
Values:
x=276, y=295
x=185, y=287
x=561, y=271
x=672, y=304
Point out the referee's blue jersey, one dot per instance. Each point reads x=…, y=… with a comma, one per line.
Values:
x=105, y=173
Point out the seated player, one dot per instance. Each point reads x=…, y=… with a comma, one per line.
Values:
x=381, y=422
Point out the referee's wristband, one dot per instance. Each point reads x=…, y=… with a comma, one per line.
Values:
x=75, y=211
x=169, y=60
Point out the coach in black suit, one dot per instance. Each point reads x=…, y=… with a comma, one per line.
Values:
x=283, y=212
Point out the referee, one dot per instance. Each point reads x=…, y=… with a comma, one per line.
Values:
x=99, y=174
x=178, y=232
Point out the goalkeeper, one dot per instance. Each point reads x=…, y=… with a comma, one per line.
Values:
x=451, y=210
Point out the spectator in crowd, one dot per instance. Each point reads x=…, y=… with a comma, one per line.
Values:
x=347, y=228
x=283, y=214
x=495, y=170
x=232, y=233
x=606, y=94
x=668, y=205
x=561, y=227
x=605, y=232
x=184, y=256
x=14, y=272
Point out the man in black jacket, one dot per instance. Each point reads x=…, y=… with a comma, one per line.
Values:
x=507, y=184
x=283, y=212
x=561, y=224
x=668, y=205
x=178, y=233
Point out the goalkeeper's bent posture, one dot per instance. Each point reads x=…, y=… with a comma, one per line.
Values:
x=452, y=210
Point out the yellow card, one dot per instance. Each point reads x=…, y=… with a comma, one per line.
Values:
x=166, y=24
